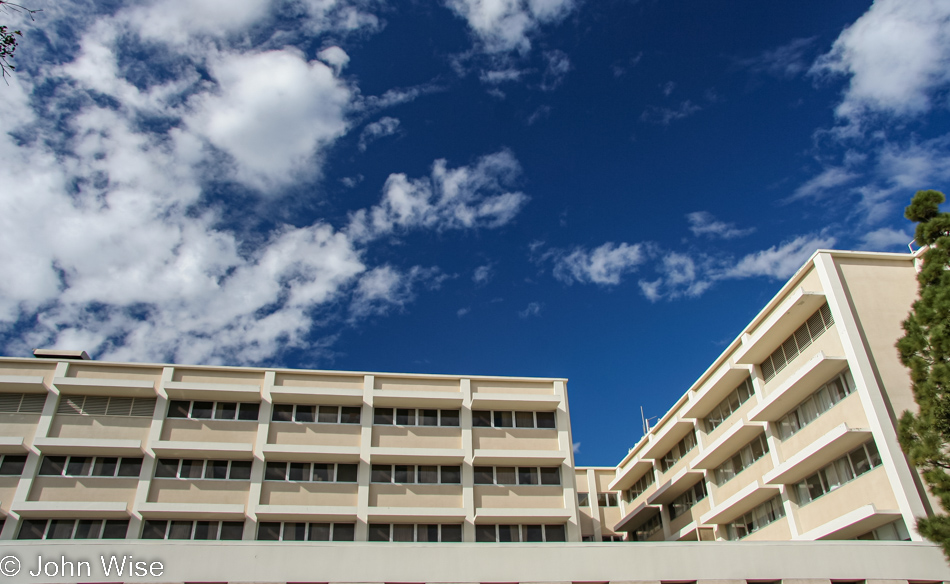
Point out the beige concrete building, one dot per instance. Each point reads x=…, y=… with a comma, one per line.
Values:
x=252, y=474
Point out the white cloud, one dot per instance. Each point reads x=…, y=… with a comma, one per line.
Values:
x=558, y=66
x=886, y=239
x=385, y=287
x=896, y=55
x=385, y=126
x=464, y=197
x=603, y=265
x=704, y=223
x=507, y=25
x=819, y=184
x=482, y=274
x=779, y=261
x=785, y=61
x=665, y=115
x=179, y=21
x=463, y=311
x=273, y=112
x=533, y=309
x=497, y=76
x=334, y=57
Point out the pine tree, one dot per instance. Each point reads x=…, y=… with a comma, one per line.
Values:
x=925, y=350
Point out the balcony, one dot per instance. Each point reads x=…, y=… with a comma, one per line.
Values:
x=415, y=495
x=88, y=446
x=314, y=435
x=783, y=321
x=711, y=394
x=309, y=494
x=729, y=443
x=831, y=446
x=825, y=514
x=852, y=524
x=203, y=390
x=630, y=473
x=309, y=453
x=640, y=515
x=676, y=486
x=740, y=503
x=812, y=374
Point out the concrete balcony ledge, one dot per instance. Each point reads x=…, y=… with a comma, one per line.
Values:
x=71, y=509
x=110, y=387
x=852, y=524
x=521, y=515
x=22, y=383
x=181, y=449
x=219, y=511
x=836, y=443
x=630, y=473
x=88, y=446
x=742, y=502
x=681, y=482
x=12, y=445
x=728, y=444
x=310, y=453
x=422, y=514
x=333, y=396
x=410, y=398
x=806, y=380
x=305, y=513
x=640, y=514
x=783, y=321
x=515, y=401
x=666, y=436
x=212, y=391
x=702, y=401
x=418, y=455
x=486, y=457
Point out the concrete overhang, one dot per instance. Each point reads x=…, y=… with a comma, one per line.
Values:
x=747, y=499
x=310, y=453
x=640, y=515
x=304, y=512
x=296, y=394
x=519, y=515
x=515, y=401
x=833, y=445
x=852, y=524
x=486, y=457
x=22, y=383
x=71, y=509
x=702, y=401
x=218, y=511
x=192, y=390
x=783, y=321
x=12, y=445
x=417, y=455
x=630, y=473
x=110, y=387
x=806, y=380
x=727, y=444
x=416, y=514
x=676, y=486
x=229, y=450
x=88, y=446
x=671, y=433
x=391, y=398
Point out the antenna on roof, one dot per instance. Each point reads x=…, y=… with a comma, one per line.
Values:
x=645, y=421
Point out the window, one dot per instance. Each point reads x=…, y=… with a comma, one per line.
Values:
x=208, y=410
x=816, y=404
x=516, y=533
x=407, y=532
x=415, y=417
x=583, y=499
x=100, y=405
x=743, y=459
x=316, y=414
x=94, y=466
x=848, y=467
x=12, y=464
x=894, y=531
x=73, y=529
x=505, y=419
x=766, y=513
x=522, y=475
x=685, y=502
x=170, y=468
x=640, y=486
x=647, y=529
x=410, y=473
x=317, y=472
x=611, y=538
x=174, y=529
x=607, y=500
x=795, y=344
x=729, y=405
x=22, y=403
x=291, y=531
x=678, y=451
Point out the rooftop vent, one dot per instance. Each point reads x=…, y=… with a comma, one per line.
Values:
x=59, y=354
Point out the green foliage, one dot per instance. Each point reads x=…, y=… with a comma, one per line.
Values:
x=925, y=350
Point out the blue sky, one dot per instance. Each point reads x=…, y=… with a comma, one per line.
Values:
x=604, y=191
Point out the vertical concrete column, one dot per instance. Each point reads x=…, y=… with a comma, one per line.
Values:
x=258, y=464
x=565, y=441
x=468, y=468
x=33, y=456
x=148, y=458
x=363, y=475
x=872, y=396
x=594, y=504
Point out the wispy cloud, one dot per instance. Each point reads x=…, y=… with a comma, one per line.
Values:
x=704, y=223
x=786, y=61
x=482, y=274
x=508, y=25
x=385, y=126
x=664, y=115
x=829, y=178
x=604, y=265
x=533, y=309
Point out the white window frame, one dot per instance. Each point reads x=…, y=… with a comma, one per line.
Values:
x=214, y=410
x=92, y=467
x=335, y=466
x=514, y=419
x=194, y=527
x=415, y=474
x=309, y=524
x=417, y=416
x=523, y=530
x=316, y=416
x=518, y=483
x=415, y=532
x=104, y=405
x=204, y=470
x=72, y=533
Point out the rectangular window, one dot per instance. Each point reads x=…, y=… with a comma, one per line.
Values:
x=96, y=405
x=687, y=500
x=583, y=499
x=822, y=400
x=317, y=472
x=640, y=486
x=299, y=531
x=85, y=466
x=845, y=469
x=235, y=470
x=742, y=459
x=678, y=451
x=506, y=419
x=12, y=464
x=207, y=410
x=518, y=533
x=729, y=405
x=806, y=334
x=647, y=529
x=408, y=532
x=522, y=475
x=73, y=529
x=607, y=500
x=415, y=417
x=197, y=530
x=765, y=514
x=410, y=474
x=22, y=403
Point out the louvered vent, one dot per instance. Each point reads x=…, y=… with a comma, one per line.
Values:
x=22, y=403
x=97, y=405
x=143, y=407
x=798, y=342
x=119, y=406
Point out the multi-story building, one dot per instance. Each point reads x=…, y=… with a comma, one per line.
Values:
x=256, y=474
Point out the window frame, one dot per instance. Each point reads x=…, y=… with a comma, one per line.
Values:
x=416, y=527
x=193, y=530
x=417, y=417
x=335, y=527
x=189, y=412
x=493, y=417
x=517, y=474
x=287, y=472
x=205, y=469
x=340, y=414
x=67, y=460
x=393, y=473
x=48, y=525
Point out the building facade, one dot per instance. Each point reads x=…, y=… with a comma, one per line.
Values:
x=247, y=474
